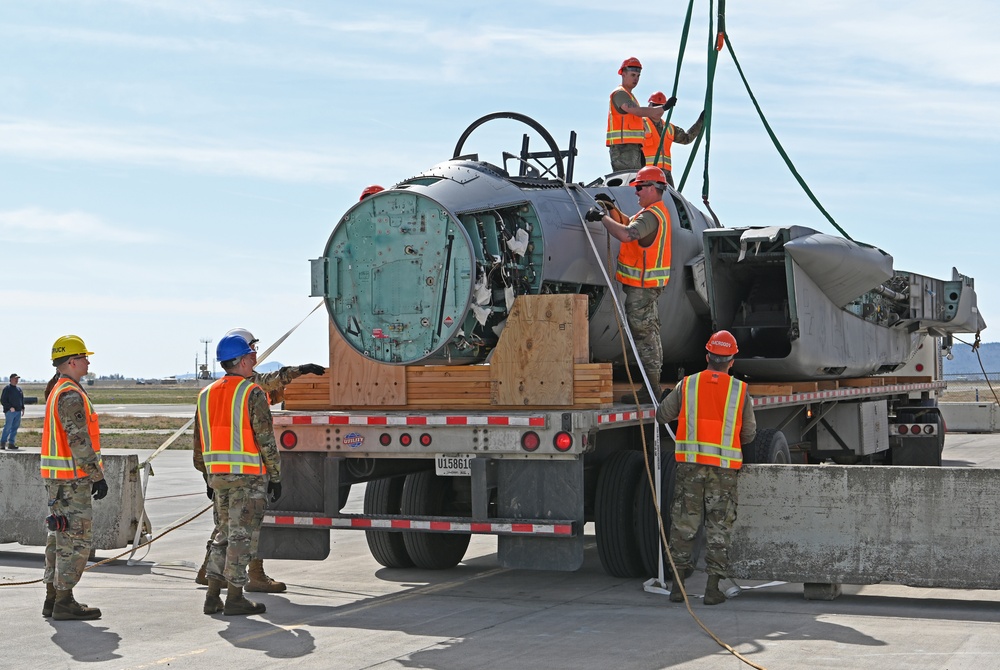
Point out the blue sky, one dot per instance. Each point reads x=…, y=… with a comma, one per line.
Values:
x=168, y=168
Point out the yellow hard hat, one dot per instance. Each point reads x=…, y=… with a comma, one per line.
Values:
x=69, y=345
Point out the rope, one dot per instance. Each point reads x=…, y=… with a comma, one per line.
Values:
x=777, y=144
x=677, y=78
x=169, y=530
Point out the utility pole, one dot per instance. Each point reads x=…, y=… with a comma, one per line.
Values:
x=206, y=342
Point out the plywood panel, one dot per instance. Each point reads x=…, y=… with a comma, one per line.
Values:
x=360, y=381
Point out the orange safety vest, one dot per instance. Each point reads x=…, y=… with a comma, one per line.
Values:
x=57, y=457
x=624, y=128
x=227, y=439
x=710, y=420
x=651, y=142
x=647, y=267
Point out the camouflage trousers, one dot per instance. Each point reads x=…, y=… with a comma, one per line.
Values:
x=626, y=157
x=239, y=509
x=643, y=318
x=703, y=493
x=67, y=551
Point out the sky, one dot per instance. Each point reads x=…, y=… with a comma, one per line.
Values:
x=167, y=169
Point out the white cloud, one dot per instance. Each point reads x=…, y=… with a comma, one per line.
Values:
x=32, y=224
x=152, y=147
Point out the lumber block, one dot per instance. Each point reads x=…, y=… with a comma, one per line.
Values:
x=770, y=389
x=361, y=381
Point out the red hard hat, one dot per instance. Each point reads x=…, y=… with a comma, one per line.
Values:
x=722, y=343
x=647, y=174
x=371, y=190
x=630, y=62
x=658, y=98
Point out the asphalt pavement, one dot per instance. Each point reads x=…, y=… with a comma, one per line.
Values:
x=349, y=612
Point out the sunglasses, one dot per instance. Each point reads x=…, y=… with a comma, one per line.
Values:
x=639, y=187
x=80, y=358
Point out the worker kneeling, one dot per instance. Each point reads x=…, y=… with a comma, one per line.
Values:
x=714, y=418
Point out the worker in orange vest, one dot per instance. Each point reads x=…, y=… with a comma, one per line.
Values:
x=626, y=129
x=659, y=154
x=74, y=476
x=714, y=420
x=643, y=267
x=234, y=447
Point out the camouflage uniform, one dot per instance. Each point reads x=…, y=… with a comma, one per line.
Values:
x=274, y=384
x=66, y=552
x=642, y=312
x=703, y=493
x=240, y=499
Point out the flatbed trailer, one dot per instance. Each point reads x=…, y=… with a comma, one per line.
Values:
x=535, y=477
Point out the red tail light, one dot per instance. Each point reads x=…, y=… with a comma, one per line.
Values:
x=563, y=442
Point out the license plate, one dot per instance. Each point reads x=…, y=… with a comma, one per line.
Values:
x=447, y=465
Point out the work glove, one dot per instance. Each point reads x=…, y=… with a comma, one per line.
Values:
x=311, y=369
x=210, y=492
x=99, y=489
x=274, y=491
x=671, y=101
x=594, y=214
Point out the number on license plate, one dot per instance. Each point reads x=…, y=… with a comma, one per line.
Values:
x=453, y=466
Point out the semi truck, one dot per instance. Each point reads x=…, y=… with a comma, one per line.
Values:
x=478, y=358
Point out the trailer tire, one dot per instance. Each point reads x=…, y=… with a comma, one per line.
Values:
x=647, y=530
x=426, y=494
x=384, y=496
x=614, y=517
x=770, y=446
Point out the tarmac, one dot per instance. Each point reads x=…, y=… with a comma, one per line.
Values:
x=349, y=612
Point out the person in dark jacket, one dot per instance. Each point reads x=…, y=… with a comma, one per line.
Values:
x=12, y=399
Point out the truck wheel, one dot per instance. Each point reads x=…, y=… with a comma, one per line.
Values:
x=614, y=514
x=426, y=494
x=383, y=496
x=647, y=531
x=770, y=446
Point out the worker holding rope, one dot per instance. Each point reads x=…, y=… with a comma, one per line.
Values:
x=234, y=446
x=713, y=410
x=73, y=474
x=660, y=136
x=625, y=120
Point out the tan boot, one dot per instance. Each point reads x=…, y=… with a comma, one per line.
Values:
x=66, y=608
x=713, y=595
x=50, y=600
x=260, y=582
x=213, y=599
x=201, y=577
x=236, y=604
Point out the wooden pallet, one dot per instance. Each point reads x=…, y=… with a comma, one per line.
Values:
x=539, y=362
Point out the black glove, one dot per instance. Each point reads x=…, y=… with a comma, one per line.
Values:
x=99, y=489
x=671, y=101
x=594, y=214
x=210, y=492
x=274, y=491
x=311, y=369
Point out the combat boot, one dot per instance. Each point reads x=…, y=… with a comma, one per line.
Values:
x=236, y=604
x=713, y=595
x=66, y=608
x=213, y=599
x=260, y=582
x=50, y=600
x=675, y=591
x=201, y=577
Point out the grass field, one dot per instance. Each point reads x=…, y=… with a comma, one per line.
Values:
x=129, y=393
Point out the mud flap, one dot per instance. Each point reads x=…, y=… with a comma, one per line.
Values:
x=533, y=490
x=308, y=481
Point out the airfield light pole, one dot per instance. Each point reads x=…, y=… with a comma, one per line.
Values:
x=206, y=342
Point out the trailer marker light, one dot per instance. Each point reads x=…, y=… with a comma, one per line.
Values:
x=425, y=439
x=903, y=430
x=563, y=441
x=405, y=439
x=530, y=441
x=288, y=439
x=384, y=439
x=928, y=429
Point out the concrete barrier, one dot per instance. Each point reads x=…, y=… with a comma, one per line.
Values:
x=971, y=417
x=831, y=524
x=24, y=504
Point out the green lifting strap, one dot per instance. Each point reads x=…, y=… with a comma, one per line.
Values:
x=777, y=145
x=677, y=77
